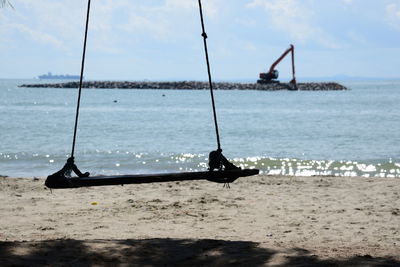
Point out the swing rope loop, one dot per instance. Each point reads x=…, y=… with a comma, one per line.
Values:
x=80, y=81
x=209, y=75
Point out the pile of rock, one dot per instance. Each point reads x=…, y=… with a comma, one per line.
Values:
x=331, y=86
x=193, y=85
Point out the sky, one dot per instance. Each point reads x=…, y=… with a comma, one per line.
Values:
x=161, y=39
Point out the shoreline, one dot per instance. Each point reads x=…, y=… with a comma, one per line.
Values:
x=261, y=220
x=192, y=85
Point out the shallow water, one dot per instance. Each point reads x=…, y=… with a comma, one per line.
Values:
x=344, y=133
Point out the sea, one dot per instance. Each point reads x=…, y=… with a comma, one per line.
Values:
x=125, y=131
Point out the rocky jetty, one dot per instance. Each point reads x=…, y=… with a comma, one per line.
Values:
x=193, y=85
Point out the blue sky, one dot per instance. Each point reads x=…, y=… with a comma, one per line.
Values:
x=160, y=40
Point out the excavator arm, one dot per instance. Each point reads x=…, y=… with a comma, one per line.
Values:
x=273, y=73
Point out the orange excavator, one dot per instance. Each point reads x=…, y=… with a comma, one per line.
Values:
x=272, y=74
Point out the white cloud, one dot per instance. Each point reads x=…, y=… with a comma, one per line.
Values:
x=40, y=37
x=357, y=38
x=61, y=23
x=348, y=2
x=50, y=23
x=294, y=18
x=142, y=24
x=62, y=16
x=393, y=15
x=249, y=46
x=181, y=4
x=287, y=15
x=166, y=19
x=210, y=7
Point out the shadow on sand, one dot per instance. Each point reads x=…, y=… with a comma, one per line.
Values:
x=164, y=252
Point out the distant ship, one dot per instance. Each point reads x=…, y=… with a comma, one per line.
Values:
x=58, y=77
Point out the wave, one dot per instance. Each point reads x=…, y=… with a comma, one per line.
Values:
x=123, y=162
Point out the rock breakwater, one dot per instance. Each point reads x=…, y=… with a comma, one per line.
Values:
x=193, y=85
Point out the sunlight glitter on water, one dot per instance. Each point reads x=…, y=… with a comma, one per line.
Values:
x=120, y=162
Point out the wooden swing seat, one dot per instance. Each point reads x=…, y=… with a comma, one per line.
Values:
x=224, y=176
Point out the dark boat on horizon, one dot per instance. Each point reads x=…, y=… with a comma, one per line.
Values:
x=50, y=76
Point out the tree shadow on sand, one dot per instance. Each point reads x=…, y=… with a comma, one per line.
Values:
x=164, y=252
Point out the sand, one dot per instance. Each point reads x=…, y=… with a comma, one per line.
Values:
x=262, y=220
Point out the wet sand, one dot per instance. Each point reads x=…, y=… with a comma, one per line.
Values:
x=262, y=220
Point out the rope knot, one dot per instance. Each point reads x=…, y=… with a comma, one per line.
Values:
x=204, y=35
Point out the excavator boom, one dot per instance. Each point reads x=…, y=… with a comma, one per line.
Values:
x=273, y=73
x=290, y=49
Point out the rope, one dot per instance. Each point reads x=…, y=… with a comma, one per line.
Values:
x=208, y=71
x=209, y=74
x=80, y=81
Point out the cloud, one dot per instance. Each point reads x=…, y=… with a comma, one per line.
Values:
x=393, y=15
x=348, y=2
x=296, y=19
x=112, y=23
x=40, y=37
x=181, y=4
x=50, y=23
x=210, y=7
x=142, y=24
x=289, y=16
x=357, y=38
x=249, y=46
x=64, y=17
x=166, y=18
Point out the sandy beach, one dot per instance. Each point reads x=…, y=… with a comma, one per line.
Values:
x=261, y=220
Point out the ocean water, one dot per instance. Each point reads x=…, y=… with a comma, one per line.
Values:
x=340, y=133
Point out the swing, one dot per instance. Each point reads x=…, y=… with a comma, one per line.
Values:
x=220, y=169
